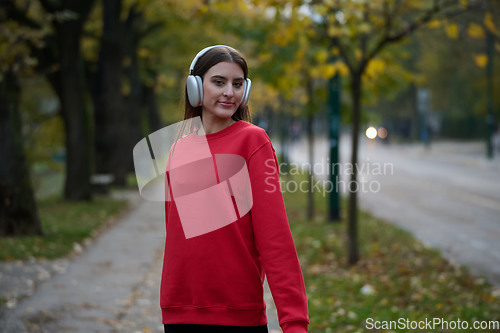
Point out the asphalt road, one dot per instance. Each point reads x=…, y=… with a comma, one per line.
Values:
x=447, y=195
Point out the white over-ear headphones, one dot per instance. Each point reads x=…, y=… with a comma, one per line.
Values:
x=194, y=84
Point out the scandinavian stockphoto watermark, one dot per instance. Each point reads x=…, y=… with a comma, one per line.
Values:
x=176, y=164
x=338, y=176
x=430, y=324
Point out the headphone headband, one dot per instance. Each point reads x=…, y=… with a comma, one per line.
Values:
x=202, y=52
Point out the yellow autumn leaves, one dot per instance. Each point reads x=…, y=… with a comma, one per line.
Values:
x=374, y=68
x=488, y=22
x=474, y=30
x=327, y=71
x=452, y=30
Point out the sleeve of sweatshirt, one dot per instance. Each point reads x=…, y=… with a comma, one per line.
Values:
x=274, y=241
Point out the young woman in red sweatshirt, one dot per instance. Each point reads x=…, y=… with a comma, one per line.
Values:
x=227, y=227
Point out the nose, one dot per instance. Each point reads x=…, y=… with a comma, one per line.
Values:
x=228, y=91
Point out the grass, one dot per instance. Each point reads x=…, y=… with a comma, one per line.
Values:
x=401, y=277
x=65, y=224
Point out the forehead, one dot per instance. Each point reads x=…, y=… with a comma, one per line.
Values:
x=230, y=70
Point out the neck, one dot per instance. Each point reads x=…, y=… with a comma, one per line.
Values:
x=211, y=125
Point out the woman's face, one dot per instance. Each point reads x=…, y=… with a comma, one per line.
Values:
x=222, y=90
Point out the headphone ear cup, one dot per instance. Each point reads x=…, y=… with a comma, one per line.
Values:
x=246, y=93
x=200, y=88
x=194, y=88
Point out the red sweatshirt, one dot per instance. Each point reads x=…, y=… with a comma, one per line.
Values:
x=214, y=274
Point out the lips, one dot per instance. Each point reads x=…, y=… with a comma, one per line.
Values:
x=226, y=104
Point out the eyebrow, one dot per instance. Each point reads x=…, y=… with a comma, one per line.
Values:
x=225, y=78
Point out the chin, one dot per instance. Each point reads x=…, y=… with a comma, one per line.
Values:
x=221, y=113
x=224, y=114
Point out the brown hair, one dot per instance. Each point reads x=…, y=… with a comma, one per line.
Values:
x=211, y=58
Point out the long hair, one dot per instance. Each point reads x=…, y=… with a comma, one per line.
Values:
x=207, y=61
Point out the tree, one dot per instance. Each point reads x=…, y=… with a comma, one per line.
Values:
x=453, y=72
x=18, y=210
x=359, y=31
x=110, y=118
x=68, y=82
x=292, y=59
x=60, y=60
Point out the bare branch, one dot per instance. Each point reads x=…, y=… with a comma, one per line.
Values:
x=387, y=15
x=133, y=14
x=343, y=54
x=364, y=36
x=151, y=28
x=427, y=17
x=337, y=43
x=49, y=6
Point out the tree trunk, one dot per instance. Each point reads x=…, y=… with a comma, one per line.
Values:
x=73, y=109
x=134, y=98
x=151, y=102
x=110, y=115
x=352, y=223
x=68, y=83
x=18, y=211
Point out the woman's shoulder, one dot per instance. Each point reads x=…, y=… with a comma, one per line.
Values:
x=253, y=137
x=253, y=130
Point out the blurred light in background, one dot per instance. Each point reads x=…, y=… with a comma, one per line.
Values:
x=371, y=132
x=382, y=132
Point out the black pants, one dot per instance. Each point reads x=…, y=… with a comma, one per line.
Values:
x=191, y=328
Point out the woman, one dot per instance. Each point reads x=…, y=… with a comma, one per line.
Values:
x=217, y=254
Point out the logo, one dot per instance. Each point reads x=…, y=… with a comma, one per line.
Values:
x=176, y=164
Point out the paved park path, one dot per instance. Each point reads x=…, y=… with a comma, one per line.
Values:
x=112, y=286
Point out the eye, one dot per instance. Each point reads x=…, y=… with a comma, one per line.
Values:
x=238, y=84
x=219, y=83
